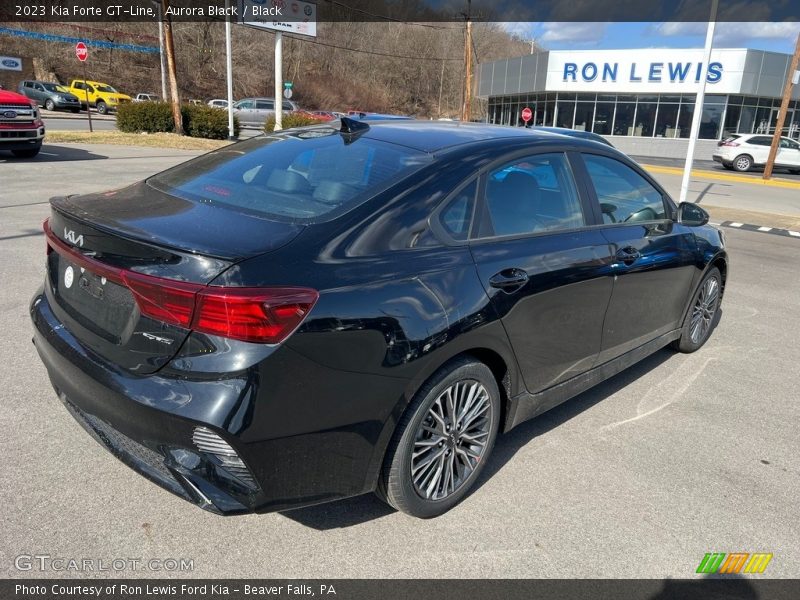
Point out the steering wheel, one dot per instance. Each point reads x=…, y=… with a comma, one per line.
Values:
x=645, y=214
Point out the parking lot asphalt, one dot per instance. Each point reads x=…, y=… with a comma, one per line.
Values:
x=641, y=476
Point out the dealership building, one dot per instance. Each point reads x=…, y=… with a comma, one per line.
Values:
x=643, y=100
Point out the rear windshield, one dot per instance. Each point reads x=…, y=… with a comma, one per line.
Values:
x=308, y=176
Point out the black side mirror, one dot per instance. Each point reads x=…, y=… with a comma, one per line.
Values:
x=691, y=215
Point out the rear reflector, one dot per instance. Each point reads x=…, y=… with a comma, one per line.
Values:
x=259, y=315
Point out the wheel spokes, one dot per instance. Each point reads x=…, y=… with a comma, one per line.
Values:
x=451, y=439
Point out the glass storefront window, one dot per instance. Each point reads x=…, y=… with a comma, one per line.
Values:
x=584, y=114
x=604, y=118
x=711, y=121
x=550, y=108
x=566, y=113
x=645, y=119
x=685, y=120
x=623, y=124
x=731, y=120
x=747, y=119
x=667, y=120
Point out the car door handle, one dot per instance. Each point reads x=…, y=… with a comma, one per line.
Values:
x=509, y=280
x=628, y=255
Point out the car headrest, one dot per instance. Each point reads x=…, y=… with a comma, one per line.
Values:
x=287, y=181
x=333, y=192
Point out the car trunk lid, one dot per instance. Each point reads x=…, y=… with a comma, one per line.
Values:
x=123, y=268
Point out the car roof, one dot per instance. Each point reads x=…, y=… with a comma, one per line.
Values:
x=433, y=136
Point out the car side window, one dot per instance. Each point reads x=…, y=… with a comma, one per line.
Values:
x=245, y=104
x=624, y=195
x=533, y=194
x=456, y=216
x=78, y=85
x=265, y=105
x=287, y=107
x=792, y=145
x=760, y=141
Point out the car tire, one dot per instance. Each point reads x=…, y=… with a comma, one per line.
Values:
x=743, y=163
x=462, y=388
x=102, y=108
x=49, y=104
x=701, y=316
x=27, y=153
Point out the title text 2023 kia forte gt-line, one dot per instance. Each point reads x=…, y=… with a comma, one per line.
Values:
x=323, y=312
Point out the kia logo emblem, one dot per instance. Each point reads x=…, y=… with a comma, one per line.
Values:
x=10, y=114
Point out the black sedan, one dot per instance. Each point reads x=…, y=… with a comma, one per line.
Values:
x=329, y=311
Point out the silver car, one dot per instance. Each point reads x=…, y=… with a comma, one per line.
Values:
x=254, y=112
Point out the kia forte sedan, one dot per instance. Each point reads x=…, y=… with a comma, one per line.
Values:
x=361, y=306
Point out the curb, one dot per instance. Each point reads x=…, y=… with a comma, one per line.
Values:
x=761, y=229
x=783, y=183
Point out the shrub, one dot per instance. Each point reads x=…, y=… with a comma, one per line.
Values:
x=151, y=117
x=290, y=120
x=207, y=122
x=156, y=117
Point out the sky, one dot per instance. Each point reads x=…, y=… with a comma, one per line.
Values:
x=776, y=37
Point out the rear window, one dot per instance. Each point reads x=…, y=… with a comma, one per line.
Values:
x=307, y=176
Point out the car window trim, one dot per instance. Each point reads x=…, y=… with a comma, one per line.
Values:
x=435, y=224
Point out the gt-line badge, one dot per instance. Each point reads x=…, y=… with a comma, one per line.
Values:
x=69, y=275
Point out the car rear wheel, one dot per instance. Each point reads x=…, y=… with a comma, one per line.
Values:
x=102, y=108
x=49, y=104
x=743, y=162
x=27, y=153
x=700, y=319
x=443, y=440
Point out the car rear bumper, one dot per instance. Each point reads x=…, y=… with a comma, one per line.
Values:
x=149, y=423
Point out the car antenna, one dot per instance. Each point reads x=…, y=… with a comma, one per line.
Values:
x=352, y=129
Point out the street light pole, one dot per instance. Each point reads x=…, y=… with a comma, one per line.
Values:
x=278, y=81
x=698, y=104
x=787, y=96
x=161, y=58
x=229, y=69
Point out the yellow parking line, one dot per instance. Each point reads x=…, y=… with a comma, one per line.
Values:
x=725, y=176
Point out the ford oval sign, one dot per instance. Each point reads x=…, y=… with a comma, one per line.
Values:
x=10, y=63
x=10, y=114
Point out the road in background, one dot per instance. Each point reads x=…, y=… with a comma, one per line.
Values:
x=641, y=476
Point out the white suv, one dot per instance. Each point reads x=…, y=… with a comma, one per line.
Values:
x=743, y=152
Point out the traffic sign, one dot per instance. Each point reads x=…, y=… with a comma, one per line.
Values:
x=288, y=84
x=527, y=114
x=81, y=51
x=287, y=93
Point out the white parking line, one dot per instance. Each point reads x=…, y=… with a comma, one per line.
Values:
x=765, y=228
x=48, y=153
x=794, y=233
x=735, y=224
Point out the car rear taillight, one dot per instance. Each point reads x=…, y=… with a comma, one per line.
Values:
x=732, y=144
x=259, y=315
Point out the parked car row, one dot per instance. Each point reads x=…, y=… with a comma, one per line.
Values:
x=74, y=97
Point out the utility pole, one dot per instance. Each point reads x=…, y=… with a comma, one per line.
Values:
x=787, y=95
x=278, y=81
x=229, y=69
x=173, y=74
x=161, y=58
x=465, y=110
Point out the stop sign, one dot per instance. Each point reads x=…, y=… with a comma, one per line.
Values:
x=527, y=113
x=81, y=51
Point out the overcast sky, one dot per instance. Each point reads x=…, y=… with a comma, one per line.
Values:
x=777, y=37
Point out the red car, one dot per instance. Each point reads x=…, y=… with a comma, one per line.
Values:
x=21, y=127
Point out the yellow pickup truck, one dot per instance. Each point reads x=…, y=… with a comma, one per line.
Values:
x=101, y=95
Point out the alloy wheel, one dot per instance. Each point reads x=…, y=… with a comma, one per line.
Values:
x=451, y=440
x=704, y=309
x=743, y=163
